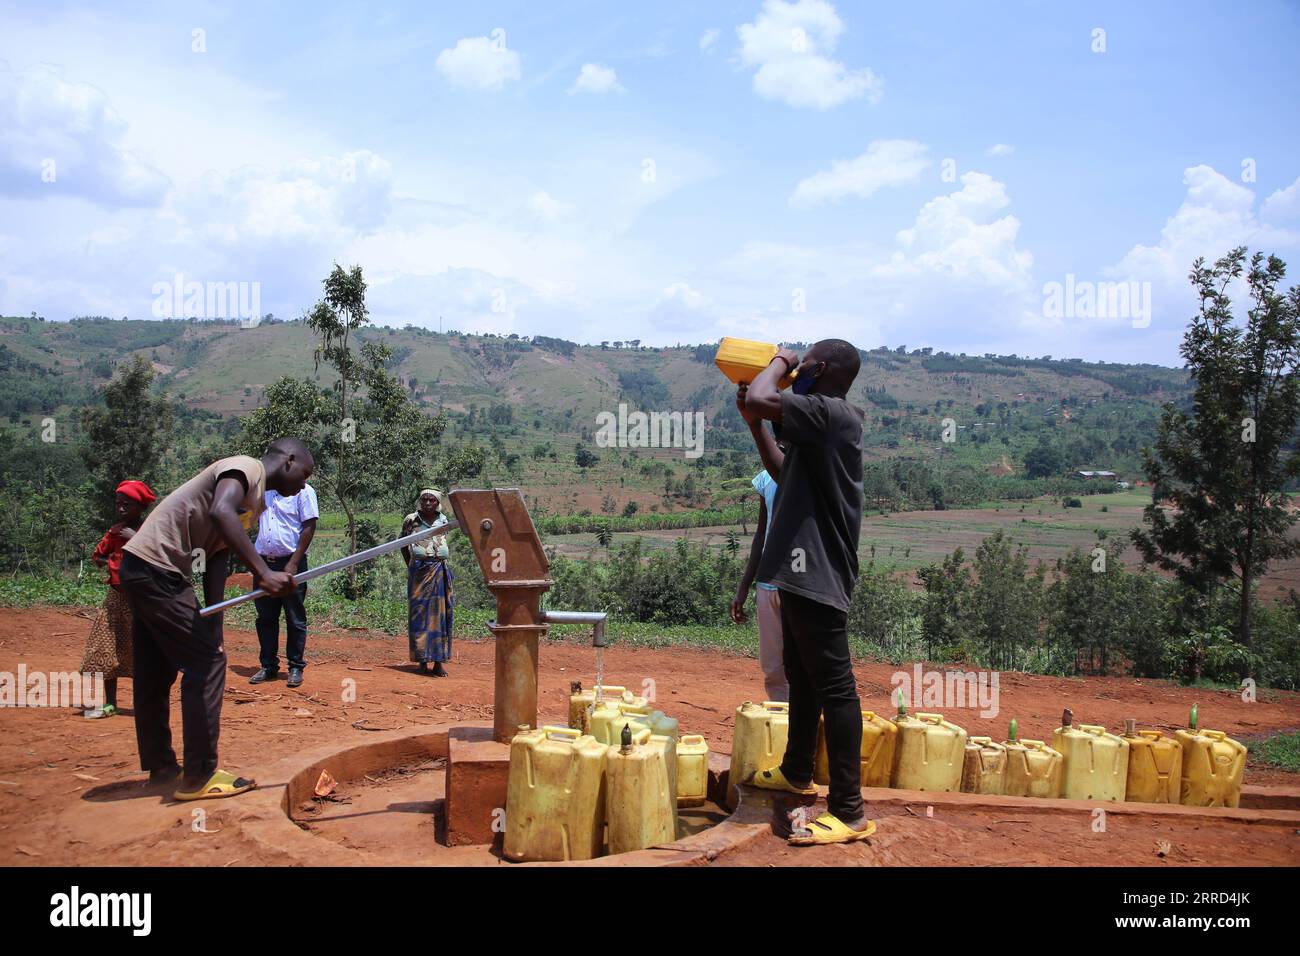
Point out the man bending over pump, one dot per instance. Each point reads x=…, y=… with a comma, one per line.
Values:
x=194, y=529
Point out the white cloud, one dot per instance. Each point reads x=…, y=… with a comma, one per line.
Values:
x=790, y=45
x=1283, y=205
x=545, y=206
x=709, y=37
x=314, y=201
x=886, y=162
x=961, y=237
x=1216, y=215
x=595, y=78
x=62, y=138
x=479, y=63
x=999, y=149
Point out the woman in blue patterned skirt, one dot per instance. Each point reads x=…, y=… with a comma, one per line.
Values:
x=428, y=587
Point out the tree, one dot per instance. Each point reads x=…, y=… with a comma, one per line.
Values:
x=126, y=435
x=1224, y=465
x=584, y=457
x=1044, y=461
x=370, y=441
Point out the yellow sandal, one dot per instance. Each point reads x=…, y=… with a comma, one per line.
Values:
x=222, y=783
x=828, y=829
x=774, y=779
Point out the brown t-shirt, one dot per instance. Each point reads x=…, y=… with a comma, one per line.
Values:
x=180, y=523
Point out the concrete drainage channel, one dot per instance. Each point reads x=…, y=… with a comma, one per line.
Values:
x=393, y=786
x=388, y=810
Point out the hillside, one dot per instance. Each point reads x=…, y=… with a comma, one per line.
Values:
x=532, y=402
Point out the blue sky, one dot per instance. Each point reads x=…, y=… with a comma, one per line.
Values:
x=894, y=174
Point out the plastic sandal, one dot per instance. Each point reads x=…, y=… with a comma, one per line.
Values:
x=220, y=784
x=99, y=713
x=828, y=829
x=774, y=779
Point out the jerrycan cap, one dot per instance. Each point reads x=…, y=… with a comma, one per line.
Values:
x=575, y=687
x=1192, y=718
x=902, y=703
x=1130, y=727
x=626, y=741
x=1013, y=731
x=1067, y=717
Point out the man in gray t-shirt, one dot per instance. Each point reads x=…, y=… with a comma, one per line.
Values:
x=811, y=555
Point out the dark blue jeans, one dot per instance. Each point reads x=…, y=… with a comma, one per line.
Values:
x=295, y=622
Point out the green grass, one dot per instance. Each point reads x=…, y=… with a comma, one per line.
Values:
x=386, y=616
x=33, y=591
x=1281, y=750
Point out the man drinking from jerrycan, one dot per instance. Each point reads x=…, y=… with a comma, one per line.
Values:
x=811, y=555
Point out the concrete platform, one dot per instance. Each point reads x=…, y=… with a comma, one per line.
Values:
x=274, y=817
x=478, y=772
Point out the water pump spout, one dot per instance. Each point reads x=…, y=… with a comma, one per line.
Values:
x=595, y=618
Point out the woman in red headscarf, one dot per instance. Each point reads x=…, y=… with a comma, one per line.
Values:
x=108, y=648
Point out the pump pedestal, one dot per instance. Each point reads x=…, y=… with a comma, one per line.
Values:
x=515, y=568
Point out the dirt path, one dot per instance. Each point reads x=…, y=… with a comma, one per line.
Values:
x=50, y=760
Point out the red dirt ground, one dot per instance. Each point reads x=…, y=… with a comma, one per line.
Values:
x=51, y=759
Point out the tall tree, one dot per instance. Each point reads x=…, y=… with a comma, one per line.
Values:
x=1224, y=465
x=370, y=441
x=126, y=435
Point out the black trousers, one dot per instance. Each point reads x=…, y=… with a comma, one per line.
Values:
x=169, y=637
x=295, y=622
x=820, y=673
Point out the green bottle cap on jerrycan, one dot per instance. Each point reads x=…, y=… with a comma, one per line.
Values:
x=902, y=704
x=1191, y=718
x=1012, y=731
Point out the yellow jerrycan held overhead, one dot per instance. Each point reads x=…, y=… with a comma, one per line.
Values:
x=1213, y=764
x=879, y=738
x=555, y=796
x=984, y=766
x=581, y=701
x=1155, y=765
x=692, y=770
x=1096, y=761
x=742, y=359
x=757, y=743
x=930, y=752
x=1033, y=768
x=640, y=791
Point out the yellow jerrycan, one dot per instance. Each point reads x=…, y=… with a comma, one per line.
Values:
x=879, y=738
x=742, y=359
x=1213, y=764
x=984, y=766
x=581, y=701
x=640, y=791
x=930, y=752
x=1033, y=768
x=608, y=718
x=757, y=743
x=692, y=770
x=1155, y=765
x=1096, y=762
x=555, y=796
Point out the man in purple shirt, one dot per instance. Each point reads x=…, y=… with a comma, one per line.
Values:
x=284, y=533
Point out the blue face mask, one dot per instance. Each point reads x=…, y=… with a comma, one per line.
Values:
x=804, y=383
